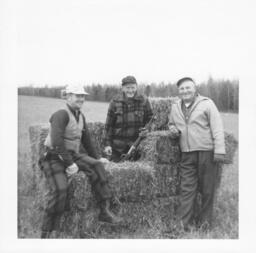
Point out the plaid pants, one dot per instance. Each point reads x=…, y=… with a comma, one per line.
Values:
x=57, y=181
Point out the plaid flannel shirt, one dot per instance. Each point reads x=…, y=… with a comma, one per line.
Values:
x=125, y=117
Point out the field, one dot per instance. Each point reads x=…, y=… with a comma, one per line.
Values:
x=36, y=110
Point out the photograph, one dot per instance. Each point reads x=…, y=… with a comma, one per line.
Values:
x=127, y=120
x=139, y=156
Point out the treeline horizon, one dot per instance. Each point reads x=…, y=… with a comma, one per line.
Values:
x=224, y=92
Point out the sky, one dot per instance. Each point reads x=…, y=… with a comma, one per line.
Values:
x=59, y=42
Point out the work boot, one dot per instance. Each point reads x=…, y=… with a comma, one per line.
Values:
x=47, y=225
x=56, y=222
x=106, y=215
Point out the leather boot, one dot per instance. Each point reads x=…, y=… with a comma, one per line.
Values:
x=47, y=225
x=106, y=215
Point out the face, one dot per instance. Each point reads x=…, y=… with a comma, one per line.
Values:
x=75, y=100
x=129, y=89
x=187, y=91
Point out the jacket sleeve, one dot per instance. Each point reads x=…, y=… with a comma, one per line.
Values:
x=148, y=113
x=216, y=128
x=88, y=143
x=109, y=125
x=170, y=118
x=59, y=121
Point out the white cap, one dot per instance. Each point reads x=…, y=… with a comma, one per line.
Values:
x=76, y=90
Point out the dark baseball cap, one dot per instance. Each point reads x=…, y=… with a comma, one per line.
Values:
x=184, y=79
x=129, y=80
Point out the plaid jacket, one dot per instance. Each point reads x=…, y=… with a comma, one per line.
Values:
x=125, y=117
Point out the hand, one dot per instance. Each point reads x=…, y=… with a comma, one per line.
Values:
x=219, y=158
x=108, y=150
x=72, y=169
x=143, y=132
x=174, y=131
x=104, y=160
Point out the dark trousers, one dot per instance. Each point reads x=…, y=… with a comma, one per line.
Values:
x=117, y=155
x=198, y=173
x=119, y=148
x=57, y=180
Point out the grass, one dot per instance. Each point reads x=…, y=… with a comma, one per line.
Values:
x=36, y=110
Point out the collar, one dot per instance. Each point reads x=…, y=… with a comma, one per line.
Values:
x=121, y=97
x=190, y=103
x=73, y=110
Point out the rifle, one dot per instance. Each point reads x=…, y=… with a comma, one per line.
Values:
x=131, y=152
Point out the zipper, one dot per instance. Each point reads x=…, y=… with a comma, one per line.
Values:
x=186, y=120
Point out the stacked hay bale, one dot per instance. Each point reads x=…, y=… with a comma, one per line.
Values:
x=147, y=188
x=161, y=108
x=140, y=186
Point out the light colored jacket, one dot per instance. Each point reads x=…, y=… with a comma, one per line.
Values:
x=72, y=135
x=202, y=130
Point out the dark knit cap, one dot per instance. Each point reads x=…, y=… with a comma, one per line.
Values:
x=129, y=80
x=184, y=79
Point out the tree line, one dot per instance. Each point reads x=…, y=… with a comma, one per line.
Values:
x=225, y=93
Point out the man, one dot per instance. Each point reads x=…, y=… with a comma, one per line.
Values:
x=127, y=115
x=68, y=132
x=199, y=124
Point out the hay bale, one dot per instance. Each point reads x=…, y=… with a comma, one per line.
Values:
x=157, y=213
x=161, y=108
x=167, y=179
x=81, y=215
x=132, y=181
x=129, y=180
x=97, y=132
x=142, y=181
x=159, y=148
x=231, y=145
x=37, y=135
